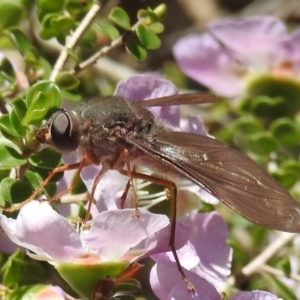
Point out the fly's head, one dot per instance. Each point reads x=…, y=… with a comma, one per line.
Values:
x=61, y=131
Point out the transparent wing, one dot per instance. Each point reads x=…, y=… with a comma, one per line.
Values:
x=196, y=98
x=227, y=174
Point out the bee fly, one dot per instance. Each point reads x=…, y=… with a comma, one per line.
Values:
x=123, y=135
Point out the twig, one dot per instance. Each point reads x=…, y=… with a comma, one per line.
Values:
x=74, y=198
x=278, y=272
x=257, y=264
x=106, y=49
x=269, y=252
x=88, y=19
x=107, y=67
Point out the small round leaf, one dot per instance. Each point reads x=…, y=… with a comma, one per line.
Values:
x=46, y=159
x=67, y=81
x=286, y=131
x=120, y=17
x=10, y=158
x=137, y=50
x=109, y=30
x=262, y=143
x=148, y=37
x=11, y=12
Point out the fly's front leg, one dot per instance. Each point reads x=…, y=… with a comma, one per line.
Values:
x=43, y=184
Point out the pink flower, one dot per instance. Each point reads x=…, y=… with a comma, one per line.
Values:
x=234, y=51
x=206, y=253
x=49, y=236
x=167, y=284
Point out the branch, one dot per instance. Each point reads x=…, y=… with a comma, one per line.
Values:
x=106, y=49
x=268, y=253
x=259, y=263
x=88, y=19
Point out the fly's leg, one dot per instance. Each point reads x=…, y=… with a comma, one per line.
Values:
x=79, y=166
x=82, y=164
x=173, y=188
x=130, y=185
x=43, y=184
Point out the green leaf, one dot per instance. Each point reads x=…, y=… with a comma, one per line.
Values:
x=76, y=8
x=38, y=109
x=19, y=106
x=128, y=287
x=21, y=41
x=142, y=14
x=42, y=99
x=10, y=158
x=32, y=61
x=120, y=17
x=262, y=143
x=36, y=177
x=109, y=30
x=7, y=67
x=148, y=37
x=67, y=81
x=47, y=31
x=246, y=125
x=73, y=55
x=14, y=191
x=45, y=86
x=267, y=107
x=8, y=143
x=50, y=6
x=5, y=187
x=137, y=50
x=16, y=123
x=7, y=126
x=291, y=165
x=47, y=158
x=89, y=39
x=286, y=131
x=13, y=269
x=11, y=12
x=63, y=23
x=160, y=10
x=288, y=173
x=157, y=27
x=286, y=178
x=32, y=178
x=26, y=292
x=276, y=88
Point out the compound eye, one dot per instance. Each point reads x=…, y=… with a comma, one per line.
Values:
x=62, y=134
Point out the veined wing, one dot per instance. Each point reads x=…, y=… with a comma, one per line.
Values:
x=181, y=99
x=228, y=175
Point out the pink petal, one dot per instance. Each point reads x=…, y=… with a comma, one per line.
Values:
x=193, y=124
x=110, y=188
x=202, y=58
x=209, y=240
x=254, y=295
x=167, y=283
x=114, y=233
x=159, y=241
x=144, y=87
x=258, y=33
x=255, y=41
x=291, y=46
x=42, y=230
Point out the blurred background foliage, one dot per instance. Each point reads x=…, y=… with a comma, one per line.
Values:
x=32, y=36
